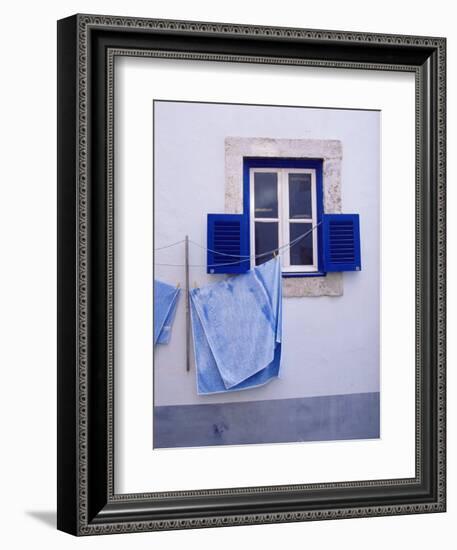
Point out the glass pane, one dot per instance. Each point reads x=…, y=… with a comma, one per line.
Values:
x=266, y=239
x=301, y=253
x=300, y=196
x=266, y=194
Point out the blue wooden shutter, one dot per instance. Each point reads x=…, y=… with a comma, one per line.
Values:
x=341, y=242
x=228, y=239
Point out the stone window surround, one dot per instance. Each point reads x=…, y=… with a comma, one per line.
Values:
x=236, y=148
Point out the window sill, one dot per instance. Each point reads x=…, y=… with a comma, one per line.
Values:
x=297, y=285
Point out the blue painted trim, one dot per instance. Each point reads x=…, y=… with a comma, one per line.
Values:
x=246, y=209
x=315, y=164
x=322, y=418
x=304, y=274
x=282, y=162
x=320, y=214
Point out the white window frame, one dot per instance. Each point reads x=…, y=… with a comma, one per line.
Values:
x=283, y=219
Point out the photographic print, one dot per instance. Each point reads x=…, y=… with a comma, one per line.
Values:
x=266, y=274
x=251, y=272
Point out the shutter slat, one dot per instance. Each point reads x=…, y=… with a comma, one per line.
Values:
x=227, y=236
x=341, y=242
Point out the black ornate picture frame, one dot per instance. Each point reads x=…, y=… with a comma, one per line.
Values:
x=87, y=47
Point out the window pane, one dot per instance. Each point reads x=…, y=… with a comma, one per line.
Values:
x=301, y=253
x=266, y=194
x=300, y=196
x=266, y=239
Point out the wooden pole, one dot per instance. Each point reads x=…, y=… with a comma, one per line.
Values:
x=187, y=305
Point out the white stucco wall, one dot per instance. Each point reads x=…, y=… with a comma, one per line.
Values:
x=330, y=344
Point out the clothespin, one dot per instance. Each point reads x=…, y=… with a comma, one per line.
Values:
x=275, y=254
x=178, y=285
x=195, y=285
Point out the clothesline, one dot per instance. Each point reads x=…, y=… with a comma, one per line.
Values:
x=243, y=258
x=254, y=322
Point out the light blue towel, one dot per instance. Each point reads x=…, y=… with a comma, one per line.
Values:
x=165, y=303
x=236, y=327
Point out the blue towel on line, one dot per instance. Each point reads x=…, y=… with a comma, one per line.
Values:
x=236, y=326
x=165, y=303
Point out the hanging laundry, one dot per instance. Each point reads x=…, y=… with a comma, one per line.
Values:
x=165, y=304
x=236, y=327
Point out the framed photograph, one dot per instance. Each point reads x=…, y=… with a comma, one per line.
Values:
x=251, y=274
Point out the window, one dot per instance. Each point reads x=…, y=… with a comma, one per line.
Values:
x=285, y=206
x=282, y=208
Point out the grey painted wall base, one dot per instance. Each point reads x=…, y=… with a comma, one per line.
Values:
x=332, y=417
